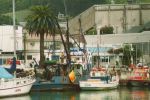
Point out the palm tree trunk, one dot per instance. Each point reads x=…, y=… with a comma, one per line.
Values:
x=42, y=57
x=54, y=46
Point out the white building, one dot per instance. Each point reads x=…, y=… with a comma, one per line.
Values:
x=7, y=41
x=122, y=17
x=7, y=38
x=142, y=40
x=127, y=21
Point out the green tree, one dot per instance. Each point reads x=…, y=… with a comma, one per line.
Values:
x=130, y=52
x=127, y=52
x=91, y=31
x=126, y=55
x=5, y=20
x=41, y=21
x=107, y=30
x=136, y=53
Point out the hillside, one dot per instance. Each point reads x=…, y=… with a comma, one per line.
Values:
x=20, y=15
x=74, y=7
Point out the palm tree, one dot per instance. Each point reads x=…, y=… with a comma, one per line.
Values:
x=41, y=21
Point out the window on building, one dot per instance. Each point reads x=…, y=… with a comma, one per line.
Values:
x=29, y=57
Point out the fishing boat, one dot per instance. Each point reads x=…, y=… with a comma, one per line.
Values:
x=14, y=81
x=99, y=80
x=139, y=77
x=58, y=78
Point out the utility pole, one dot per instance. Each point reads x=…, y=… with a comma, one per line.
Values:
x=136, y=54
x=24, y=40
x=148, y=50
x=142, y=52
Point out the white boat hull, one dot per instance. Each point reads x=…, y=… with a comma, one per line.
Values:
x=17, y=86
x=100, y=85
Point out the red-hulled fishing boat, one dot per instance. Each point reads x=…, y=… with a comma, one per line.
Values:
x=139, y=76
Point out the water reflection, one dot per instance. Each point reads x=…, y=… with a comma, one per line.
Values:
x=135, y=93
x=23, y=97
x=53, y=95
x=118, y=94
x=122, y=93
x=100, y=95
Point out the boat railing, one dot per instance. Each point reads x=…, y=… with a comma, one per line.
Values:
x=29, y=77
x=6, y=83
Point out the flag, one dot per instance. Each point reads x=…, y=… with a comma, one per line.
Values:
x=72, y=76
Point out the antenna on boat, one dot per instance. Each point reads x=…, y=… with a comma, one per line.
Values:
x=14, y=27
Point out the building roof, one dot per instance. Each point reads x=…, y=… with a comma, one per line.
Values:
x=137, y=29
x=100, y=49
x=79, y=38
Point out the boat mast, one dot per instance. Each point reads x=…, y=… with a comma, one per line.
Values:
x=98, y=47
x=14, y=27
x=67, y=37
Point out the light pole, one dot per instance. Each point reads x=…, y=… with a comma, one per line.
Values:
x=14, y=27
x=136, y=56
x=131, y=50
x=142, y=53
x=149, y=48
x=148, y=51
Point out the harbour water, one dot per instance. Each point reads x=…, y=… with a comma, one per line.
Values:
x=122, y=93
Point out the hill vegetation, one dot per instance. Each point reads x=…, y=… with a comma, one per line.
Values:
x=74, y=7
